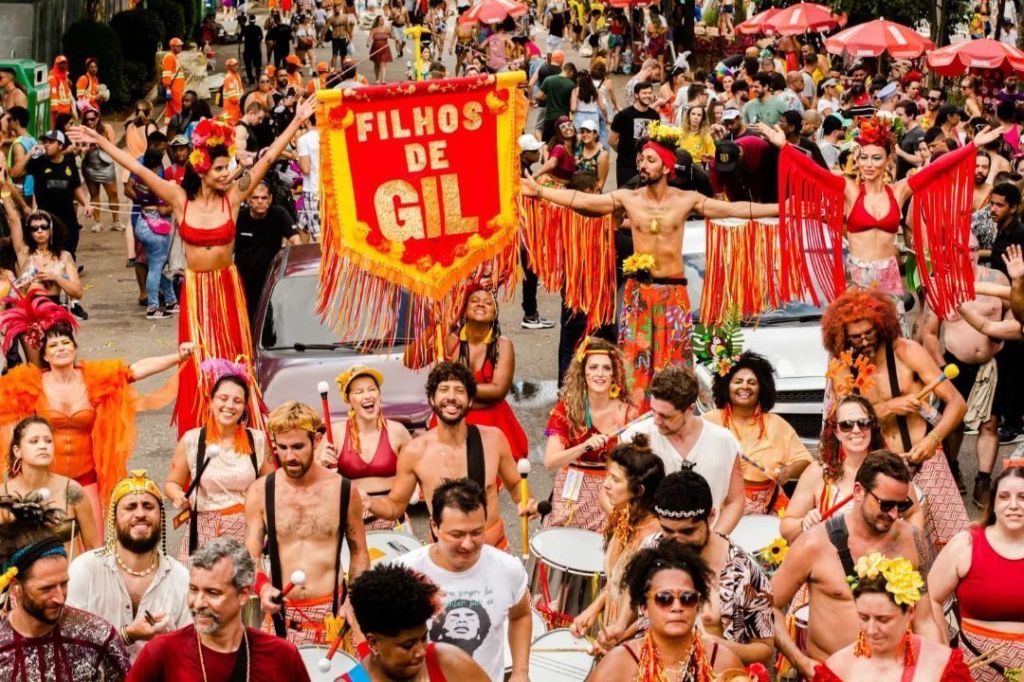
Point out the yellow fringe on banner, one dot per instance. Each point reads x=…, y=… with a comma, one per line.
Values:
x=574, y=254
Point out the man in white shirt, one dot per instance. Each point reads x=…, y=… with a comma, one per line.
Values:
x=828, y=103
x=308, y=149
x=679, y=437
x=132, y=583
x=485, y=589
x=833, y=130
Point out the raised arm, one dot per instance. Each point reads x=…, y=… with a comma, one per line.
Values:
x=243, y=188
x=165, y=189
x=602, y=204
x=147, y=367
x=1014, y=261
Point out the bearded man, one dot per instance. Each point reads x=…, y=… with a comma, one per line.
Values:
x=655, y=321
x=132, y=583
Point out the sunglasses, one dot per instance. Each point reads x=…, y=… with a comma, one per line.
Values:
x=665, y=598
x=902, y=506
x=864, y=336
x=933, y=99
x=847, y=425
x=39, y=227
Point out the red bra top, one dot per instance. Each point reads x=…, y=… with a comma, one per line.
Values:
x=217, y=236
x=352, y=465
x=978, y=599
x=860, y=220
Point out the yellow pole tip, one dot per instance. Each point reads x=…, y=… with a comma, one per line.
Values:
x=951, y=371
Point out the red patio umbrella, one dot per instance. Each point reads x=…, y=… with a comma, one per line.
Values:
x=801, y=18
x=493, y=11
x=755, y=24
x=984, y=53
x=872, y=38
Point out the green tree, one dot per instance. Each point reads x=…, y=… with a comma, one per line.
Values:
x=86, y=38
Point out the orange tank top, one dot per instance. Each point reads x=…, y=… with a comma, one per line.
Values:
x=72, y=441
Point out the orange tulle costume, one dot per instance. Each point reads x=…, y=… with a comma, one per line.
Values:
x=105, y=450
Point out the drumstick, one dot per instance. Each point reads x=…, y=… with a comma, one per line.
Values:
x=211, y=452
x=618, y=432
x=760, y=468
x=323, y=387
x=324, y=664
x=989, y=655
x=297, y=579
x=950, y=371
x=836, y=507
x=523, y=466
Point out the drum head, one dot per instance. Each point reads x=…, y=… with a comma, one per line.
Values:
x=384, y=546
x=560, y=666
x=573, y=549
x=312, y=654
x=539, y=628
x=754, y=533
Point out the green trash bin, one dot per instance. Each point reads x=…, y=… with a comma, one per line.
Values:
x=33, y=78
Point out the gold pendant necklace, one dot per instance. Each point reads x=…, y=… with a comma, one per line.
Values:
x=137, y=574
x=653, y=227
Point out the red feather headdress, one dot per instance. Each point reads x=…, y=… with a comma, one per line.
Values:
x=31, y=315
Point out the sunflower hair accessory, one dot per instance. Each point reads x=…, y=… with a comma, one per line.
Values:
x=902, y=581
x=665, y=135
x=207, y=135
x=718, y=348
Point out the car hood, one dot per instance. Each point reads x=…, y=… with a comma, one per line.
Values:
x=290, y=375
x=795, y=351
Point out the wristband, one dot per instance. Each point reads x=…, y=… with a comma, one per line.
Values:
x=261, y=580
x=363, y=650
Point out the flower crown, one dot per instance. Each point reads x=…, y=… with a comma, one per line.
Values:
x=665, y=135
x=207, y=135
x=902, y=580
x=216, y=368
x=878, y=130
x=718, y=348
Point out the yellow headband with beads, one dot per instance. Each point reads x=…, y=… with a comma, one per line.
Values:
x=136, y=482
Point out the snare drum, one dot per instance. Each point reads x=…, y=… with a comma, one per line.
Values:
x=539, y=628
x=755, y=532
x=567, y=573
x=801, y=617
x=383, y=545
x=312, y=654
x=560, y=666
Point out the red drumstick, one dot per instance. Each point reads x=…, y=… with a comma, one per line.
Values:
x=324, y=664
x=323, y=387
x=836, y=507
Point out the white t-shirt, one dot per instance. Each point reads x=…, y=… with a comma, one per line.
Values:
x=309, y=145
x=476, y=604
x=713, y=455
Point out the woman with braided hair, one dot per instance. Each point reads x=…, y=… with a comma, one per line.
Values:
x=491, y=357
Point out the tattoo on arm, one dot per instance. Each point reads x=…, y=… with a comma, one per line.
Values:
x=245, y=180
x=924, y=556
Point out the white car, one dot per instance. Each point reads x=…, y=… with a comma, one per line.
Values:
x=789, y=337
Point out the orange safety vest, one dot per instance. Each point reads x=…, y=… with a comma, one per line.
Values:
x=232, y=92
x=60, y=93
x=317, y=84
x=173, y=79
x=88, y=88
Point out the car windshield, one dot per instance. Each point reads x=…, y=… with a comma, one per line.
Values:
x=798, y=311
x=291, y=321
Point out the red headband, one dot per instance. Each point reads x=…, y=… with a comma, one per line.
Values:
x=667, y=157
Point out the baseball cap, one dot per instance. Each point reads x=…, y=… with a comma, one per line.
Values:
x=730, y=114
x=887, y=91
x=829, y=83
x=175, y=42
x=529, y=143
x=231, y=62
x=179, y=141
x=322, y=67
x=684, y=161
x=727, y=156
x=589, y=124
x=557, y=57
x=54, y=135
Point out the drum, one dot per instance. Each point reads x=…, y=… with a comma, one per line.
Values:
x=312, y=654
x=801, y=617
x=384, y=545
x=567, y=573
x=560, y=666
x=755, y=532
x=539, y=628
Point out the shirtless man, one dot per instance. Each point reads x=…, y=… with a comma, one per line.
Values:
x=342, y=25
x=865, y=323
x=657, y=214
x=974, y=353
x=303, y=523
x=10, y=94
x=452, y=450
x=465, y=33
x=880, y=494
x=982, y=187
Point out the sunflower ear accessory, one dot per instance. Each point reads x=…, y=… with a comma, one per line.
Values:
x=718, y=348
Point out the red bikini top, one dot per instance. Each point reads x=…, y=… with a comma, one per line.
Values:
x=384, y=463
x=201, y=236
x=860, y=220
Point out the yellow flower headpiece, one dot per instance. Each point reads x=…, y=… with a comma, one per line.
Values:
x=8, y=575
x=902, y=580
x=355, y=371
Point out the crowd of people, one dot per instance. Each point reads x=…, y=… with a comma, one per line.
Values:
x=864, y=563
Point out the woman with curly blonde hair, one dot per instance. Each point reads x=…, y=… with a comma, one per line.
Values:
x=593, y=404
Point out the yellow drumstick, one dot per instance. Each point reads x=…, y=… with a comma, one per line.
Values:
x=950, y=371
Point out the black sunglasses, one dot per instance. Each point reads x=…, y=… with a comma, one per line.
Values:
x=933, y=99
x=39, y=227
x=665, y=598
x=902, y=506
x=846, y=425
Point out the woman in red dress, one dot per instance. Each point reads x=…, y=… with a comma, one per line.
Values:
x=885, y=592
x=480, y=346
x=206, y=204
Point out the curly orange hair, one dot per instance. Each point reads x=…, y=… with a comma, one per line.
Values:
x=858, y=306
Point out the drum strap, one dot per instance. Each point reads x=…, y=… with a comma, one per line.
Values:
x=894, y=388
x=201, y=463
x=275, y=558
x=475, y=468
x=839, y=536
